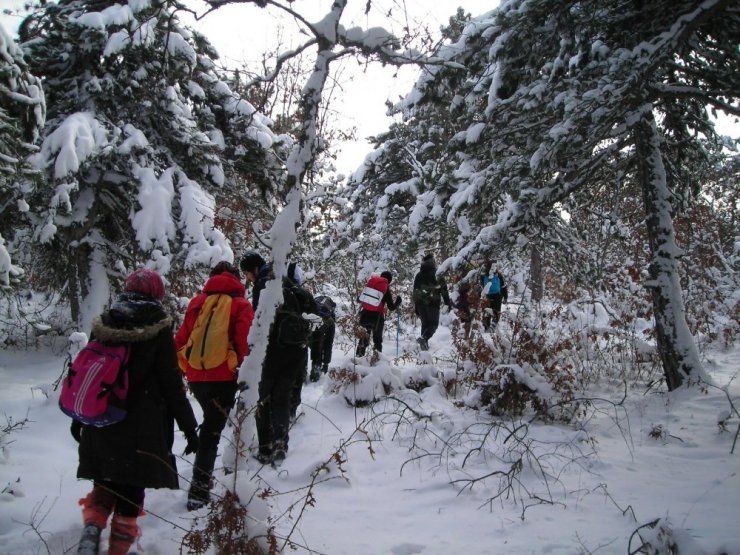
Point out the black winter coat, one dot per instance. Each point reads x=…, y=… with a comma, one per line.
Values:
x=428, y=289
x=137, y=451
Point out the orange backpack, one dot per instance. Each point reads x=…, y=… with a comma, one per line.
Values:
x=209, y=345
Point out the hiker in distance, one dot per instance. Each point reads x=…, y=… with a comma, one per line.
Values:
x=322, y=339
x=373, y=300
x=285, y=358
x=429, y=292
x=495, y=292
x=125, y=458
x=212, y=343
x=464, y=305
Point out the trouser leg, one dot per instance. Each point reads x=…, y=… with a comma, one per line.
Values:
x=281, y=402
x=378, y=333
x=216, y=399
x=200, y=485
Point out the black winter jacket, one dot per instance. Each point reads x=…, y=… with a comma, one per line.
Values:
x=137, y=451
x=428, y=289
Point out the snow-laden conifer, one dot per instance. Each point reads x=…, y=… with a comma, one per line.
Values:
x=22, y=113
x=139, y=126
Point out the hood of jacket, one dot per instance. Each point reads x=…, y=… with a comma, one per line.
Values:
x=131, y=318
x=428, y=267
x=226, y=283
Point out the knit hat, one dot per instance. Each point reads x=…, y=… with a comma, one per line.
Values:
x=387, y=275
x=146, y=282
x=224, y=266
x=251, y=261
x=427, y=257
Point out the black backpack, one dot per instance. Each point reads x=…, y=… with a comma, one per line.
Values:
x=326, y=305
x=291, y=328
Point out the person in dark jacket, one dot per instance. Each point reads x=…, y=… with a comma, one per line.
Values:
x=285, y=358
x=463, y=305
x=214, y=388
x=322, y=340
x=295, y=274
x=373, y=301
x=495, y=292
x=429, y=292
x=125, y=458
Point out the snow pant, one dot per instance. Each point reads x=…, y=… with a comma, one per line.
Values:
x=216, y=399
x=322, y=342
x=295, y=394
x=281, y=370
x=492, y=313
x=429, y=316
x=373, y=322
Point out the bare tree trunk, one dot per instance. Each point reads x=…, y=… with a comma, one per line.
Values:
x=535, y=273
x=676, y=347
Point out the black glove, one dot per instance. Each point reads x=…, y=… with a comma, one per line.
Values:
x=398, y=301
x=193, y=442
x=76, y=430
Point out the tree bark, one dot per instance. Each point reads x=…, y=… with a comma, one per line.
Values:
x=535, y=273
x=675, y=344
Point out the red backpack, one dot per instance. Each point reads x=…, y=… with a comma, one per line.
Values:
x=371, y=298
x=96, y=385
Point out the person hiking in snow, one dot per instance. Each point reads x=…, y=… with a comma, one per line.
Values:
x=295, y=274
x=322, y=339
x=494, y=292
x=429, y=292
x=463, y=304
x=373, y=300
x=285, y=358
x=214, y=387
x=125, y=458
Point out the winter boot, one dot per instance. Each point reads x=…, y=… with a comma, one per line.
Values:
x=89, y=540
x=279, y=453
x=123, y=533
x=199, y=494
x=96, y=508
x=264, y=456
x=315, y=372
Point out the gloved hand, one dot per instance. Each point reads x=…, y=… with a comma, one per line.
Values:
x=193, y=442
x=76, y=430
x=398, y=301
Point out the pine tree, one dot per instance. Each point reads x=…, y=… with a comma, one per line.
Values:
x=22, y=114
x=139, y=125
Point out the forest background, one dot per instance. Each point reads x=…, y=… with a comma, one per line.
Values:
x=575, y=143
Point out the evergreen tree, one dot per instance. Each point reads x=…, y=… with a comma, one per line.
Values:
x=22, y=114
x=139, y=125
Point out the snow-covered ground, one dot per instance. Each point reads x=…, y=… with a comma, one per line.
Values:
x=413, y=478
